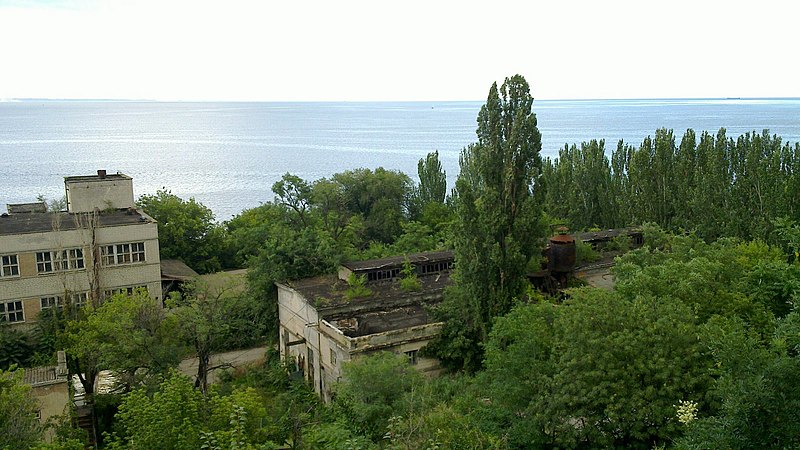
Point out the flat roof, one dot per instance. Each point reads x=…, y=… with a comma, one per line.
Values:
x=110, y=176
x=395, y=261
x=329, y=294
x=45, y=222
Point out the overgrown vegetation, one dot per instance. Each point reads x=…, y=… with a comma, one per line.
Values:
x=697, y=346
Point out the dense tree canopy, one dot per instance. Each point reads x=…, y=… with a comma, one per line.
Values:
x=498, y=220
x=186, y=230
x=19, y=427
x=718, y=186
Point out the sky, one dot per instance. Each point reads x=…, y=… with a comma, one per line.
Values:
x=383, y=50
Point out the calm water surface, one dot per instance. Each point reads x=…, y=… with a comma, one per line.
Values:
x=228, y=155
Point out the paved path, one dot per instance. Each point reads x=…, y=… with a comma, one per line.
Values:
x=597, y=275
x=235, y=358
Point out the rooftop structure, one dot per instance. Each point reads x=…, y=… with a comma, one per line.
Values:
x=322, y=325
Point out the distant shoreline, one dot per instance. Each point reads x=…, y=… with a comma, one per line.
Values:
x=123, y=100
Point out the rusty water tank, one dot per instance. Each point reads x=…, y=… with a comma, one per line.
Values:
x=562, y=252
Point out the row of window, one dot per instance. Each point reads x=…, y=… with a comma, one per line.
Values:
x=378, y=275
x=442, y=266
x=11, y=311
x=72, y=259
x=425, y=269
x=59, y=261
x=78, y=299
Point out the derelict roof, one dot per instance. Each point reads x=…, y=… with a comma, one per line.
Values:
x=175, y=269
x=36, y=376
x=397, y=261
x=328, y=293
x=386, y=320
x=46, y=222
x=110, y=176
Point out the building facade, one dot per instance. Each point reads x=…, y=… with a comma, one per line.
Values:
x=99, y=246
x=322, y=326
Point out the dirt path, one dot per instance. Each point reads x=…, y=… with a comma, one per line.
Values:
x=233, y=359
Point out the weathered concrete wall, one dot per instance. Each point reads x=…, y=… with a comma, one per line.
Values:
x=30, y=286
x=113, y=192
x=53, y=399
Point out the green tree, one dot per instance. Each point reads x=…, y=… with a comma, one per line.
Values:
x=186, y=230
x=498, y=227
x=598, y=371
x=757, y=389
x=203, y=322
x=432, y=186
x=19, y=427
x=178, y=416
x=124, y=334
x=372, y=389
x=380, y=197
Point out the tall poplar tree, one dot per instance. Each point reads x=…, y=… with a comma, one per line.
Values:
x=498, y=225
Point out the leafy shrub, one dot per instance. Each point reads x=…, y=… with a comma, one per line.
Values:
x=357, y=288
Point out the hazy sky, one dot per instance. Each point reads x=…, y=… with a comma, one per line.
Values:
x=396, y=50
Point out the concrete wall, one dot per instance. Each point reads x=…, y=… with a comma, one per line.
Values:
x=53, y=399
x=112, y=192
x=299, y=320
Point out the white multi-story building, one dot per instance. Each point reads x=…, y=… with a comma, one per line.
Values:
x=99, y=246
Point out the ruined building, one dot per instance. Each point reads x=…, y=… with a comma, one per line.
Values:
x=325, y=321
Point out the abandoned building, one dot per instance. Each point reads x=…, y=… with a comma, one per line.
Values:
x=101, y=245
x=50, y=387
x=323, y=323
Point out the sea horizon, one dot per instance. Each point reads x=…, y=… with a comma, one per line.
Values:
x=227, y=155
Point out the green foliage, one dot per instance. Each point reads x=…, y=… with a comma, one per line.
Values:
x=186, y=230
x=757, y=389
x=17, y=347
x=600, y=370
x=357, y=287
x=432, y=188
x=497, y=227
x=585, y=253
x=716, y=185
x=372, y=390
x=19, y=427
x=288, y=255
x=409, y=282
x=178, y=416
x=380, y=197
x=579, y=187
x=728, y=278
x=125, y=333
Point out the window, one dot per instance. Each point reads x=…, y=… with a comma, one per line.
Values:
x=128, y=290
x=59, y=261
x=77, y=299
x=128, y=253
x=436, y=267
x=11, y=312
x=9, y=266
x=49, y=302
x=378, y=275
x=333, y=357
x=412, y=357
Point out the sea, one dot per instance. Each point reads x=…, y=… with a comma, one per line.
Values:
x=228, y=155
